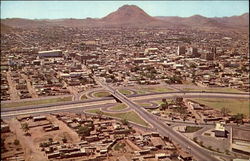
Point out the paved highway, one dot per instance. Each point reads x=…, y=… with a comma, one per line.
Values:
x=156, y=123
x=34, y=109
x=198, y=152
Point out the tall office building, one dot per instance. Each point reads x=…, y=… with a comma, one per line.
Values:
x=213, y=49
x=194, y=51
x=207, y=55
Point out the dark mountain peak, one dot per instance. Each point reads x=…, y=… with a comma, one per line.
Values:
x=128, y=14
x=127, y=8
x=197, y=17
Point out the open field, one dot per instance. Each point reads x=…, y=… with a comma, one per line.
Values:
x=125, y=92
x=144, y=104
x=101, y=94
x=191, y=129
x=234, y=105
x=118, y=107
x=36, y=102
x=130, y=116
x=229, y=90
x=156, y=89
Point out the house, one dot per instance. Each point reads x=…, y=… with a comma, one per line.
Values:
x=185, y=156
x=53, y=155
x=161, y=155
x=92, y=138
x=157, y=142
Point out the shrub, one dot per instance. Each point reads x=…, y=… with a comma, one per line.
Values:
x=64, y=140
x=16, y=142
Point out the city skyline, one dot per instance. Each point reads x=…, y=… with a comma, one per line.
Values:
x=85, y=9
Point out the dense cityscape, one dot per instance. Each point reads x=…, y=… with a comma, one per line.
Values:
x=120, y=92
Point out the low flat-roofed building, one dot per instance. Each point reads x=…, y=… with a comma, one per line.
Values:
x=185, y=156
x=219, y=130
x=157, y=142
x=39, y=118
x=161, y=155
x=5, y=128
x=141, y=60
x=50, y=54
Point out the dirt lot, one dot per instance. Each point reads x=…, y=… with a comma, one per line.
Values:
x=13, y=92
x=10, y=149
x=31, y=143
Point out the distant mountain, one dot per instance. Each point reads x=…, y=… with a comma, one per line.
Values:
x=128, y=14
x=234, y=21
x=201, y=22
x=133, y=16
x=24, y=23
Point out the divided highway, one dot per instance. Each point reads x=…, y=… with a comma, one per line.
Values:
x=198, y=152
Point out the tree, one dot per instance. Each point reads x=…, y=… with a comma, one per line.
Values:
x=195, y=139
x=193, y=65
x=99, y=113
x=25, y=127
x=83, y=130
x=16, y=142
x=124, y=122
x=201, y=143
x=225, y=111
x=50, y=140
x=90, y=125
x=239, y=118
x=174, y=155
x=64, y=140
x=164, y=106
x=178, y=100
x=184, y=118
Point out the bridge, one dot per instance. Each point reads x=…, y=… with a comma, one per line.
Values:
x=198, y=152
x=163, y=129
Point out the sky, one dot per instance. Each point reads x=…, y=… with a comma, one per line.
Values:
x=99, y=9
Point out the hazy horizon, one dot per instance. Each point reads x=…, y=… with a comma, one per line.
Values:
x=85, y=9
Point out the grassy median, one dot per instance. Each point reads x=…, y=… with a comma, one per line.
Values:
x=145, y=104
x=234, y=105
x=124, y=91
x=102, y=94
x=118, y=107
x=36, y=102
x=144, y=90
x=130, y=116
x=226, y=90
